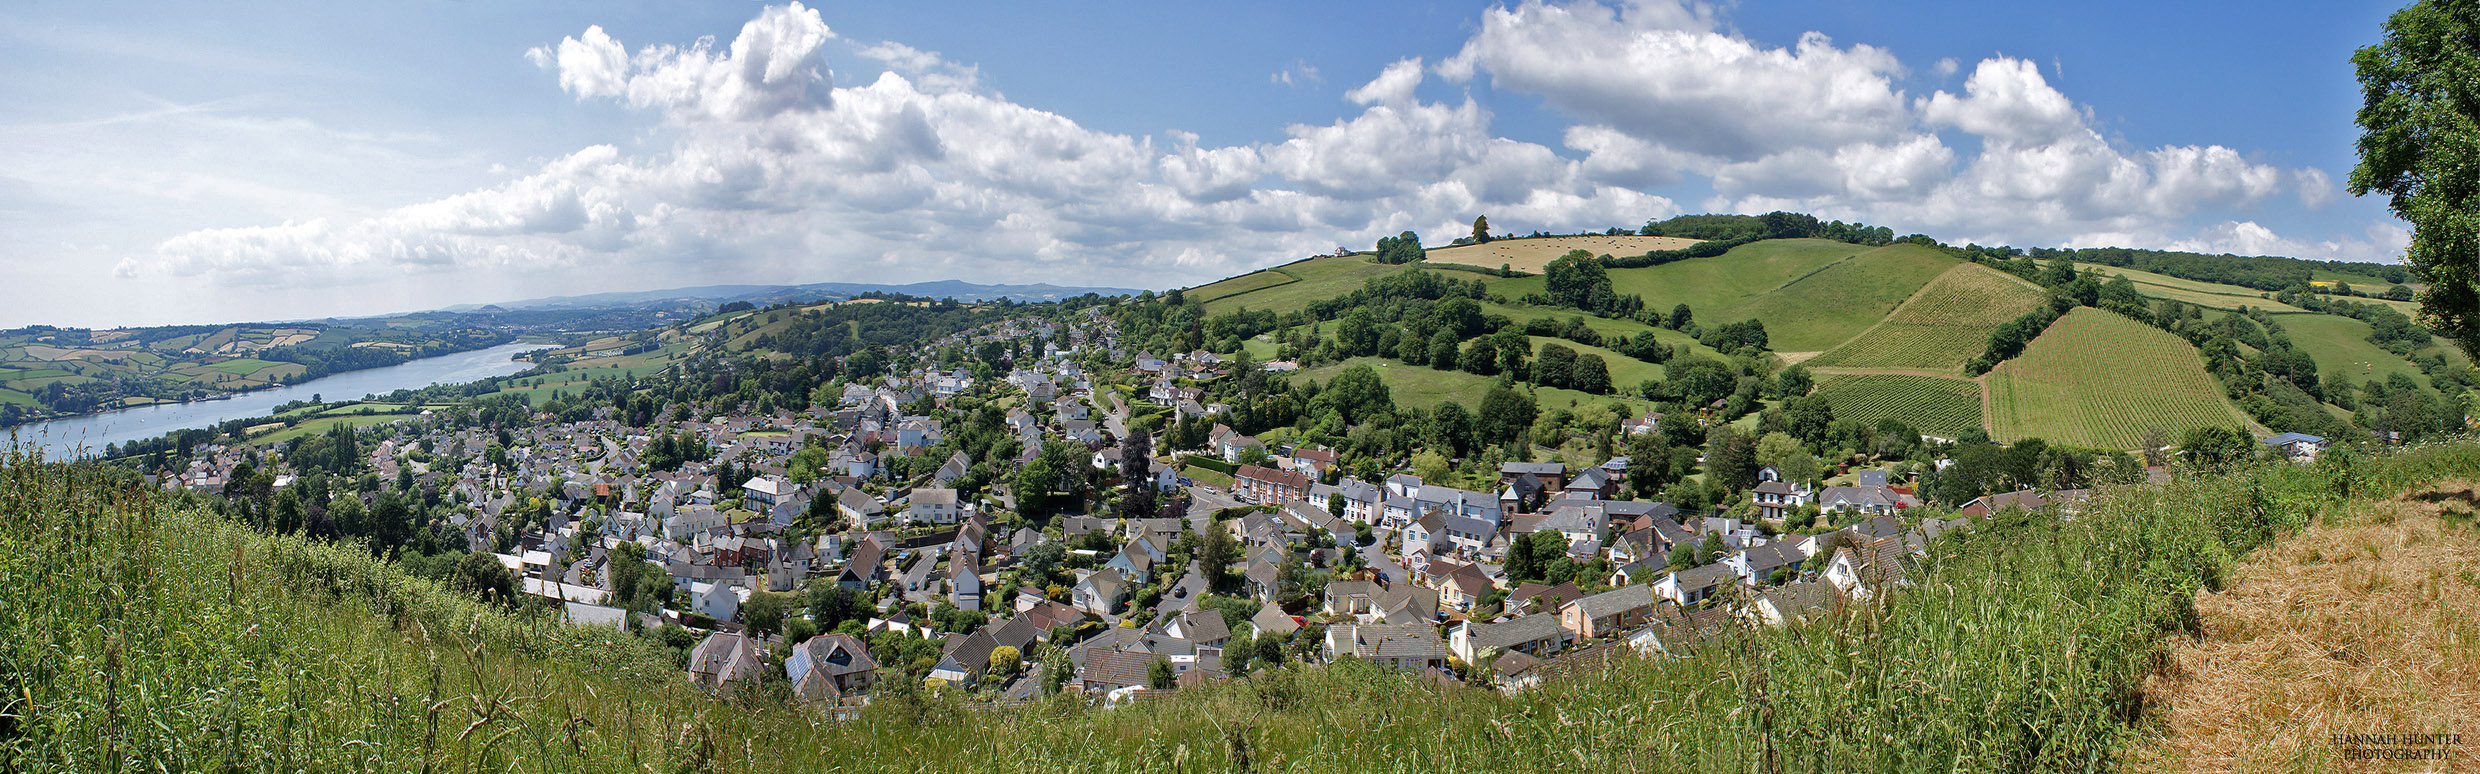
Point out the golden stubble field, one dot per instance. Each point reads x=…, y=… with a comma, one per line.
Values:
x=1531, y=255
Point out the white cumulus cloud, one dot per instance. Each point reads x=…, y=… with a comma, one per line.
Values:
x=771, y=170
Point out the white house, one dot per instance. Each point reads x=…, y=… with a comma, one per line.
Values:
x=720, y=601
x=933, y=506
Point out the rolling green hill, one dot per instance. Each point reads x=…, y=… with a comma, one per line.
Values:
x=1823, y=308
x=2102, y=380
x=2341, y=348
x=1290, y=287
x=1847, y=309
x=1710, y=285
x=1941, y=327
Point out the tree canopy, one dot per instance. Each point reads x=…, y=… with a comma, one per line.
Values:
x=2419, y=142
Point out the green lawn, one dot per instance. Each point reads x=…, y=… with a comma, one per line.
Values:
x=1207, y=477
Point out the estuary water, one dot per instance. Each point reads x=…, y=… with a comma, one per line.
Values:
x=87, y=435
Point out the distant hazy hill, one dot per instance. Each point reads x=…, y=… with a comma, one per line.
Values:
x=769, y=294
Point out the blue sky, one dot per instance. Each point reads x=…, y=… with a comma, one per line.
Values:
x=167, y=163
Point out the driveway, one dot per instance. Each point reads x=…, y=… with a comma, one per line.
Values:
x=1374, y=555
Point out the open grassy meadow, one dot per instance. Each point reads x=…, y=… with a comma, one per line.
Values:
x=1943, y=326
x=2101, y=380
x=1531, y=255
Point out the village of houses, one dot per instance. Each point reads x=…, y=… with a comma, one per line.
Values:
x=1429, y=595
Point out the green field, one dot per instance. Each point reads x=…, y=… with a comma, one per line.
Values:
x=244, y=366
x=1625, y=372
x=1938, y=406
x=1317, y=279
x=2341, y=348
x=2099, y=379
x=321, y=425
x=535, y=388
x=2206, y=294
x=1708, y=285
x=1240, y=284
x=11, y=374
x=1943, y=326
x=1823, y=308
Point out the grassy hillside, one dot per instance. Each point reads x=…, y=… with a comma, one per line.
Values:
x=2206, y=294
x=1943, y=326
x=1937, y=406
x=142, y=634
x=2099, y=379
x=2341, y=348
x=1819, y=310
x=1712, y=284
x=1252, y=281
x=1311, y=280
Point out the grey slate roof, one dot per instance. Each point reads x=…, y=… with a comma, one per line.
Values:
x=1392, y=641
x=1517, y=631
x=1616, y=601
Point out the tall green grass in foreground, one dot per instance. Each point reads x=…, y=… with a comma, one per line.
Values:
x=139, y=634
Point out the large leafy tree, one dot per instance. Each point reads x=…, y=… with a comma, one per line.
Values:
x=1577, y=279
x=2420, y=145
